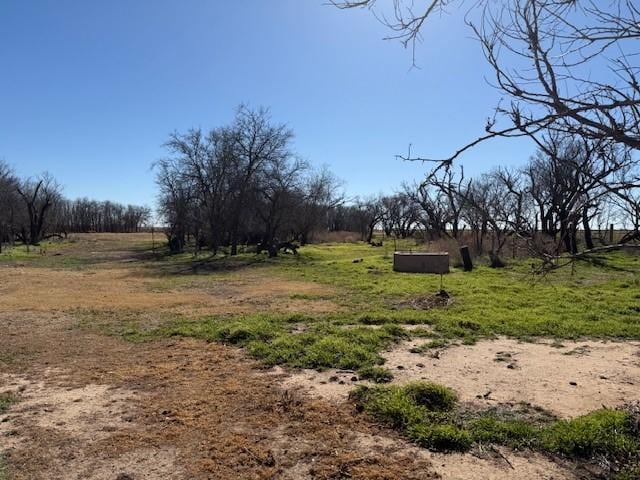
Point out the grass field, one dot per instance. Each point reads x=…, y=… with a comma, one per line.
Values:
x=590, y=301
x=337, y=306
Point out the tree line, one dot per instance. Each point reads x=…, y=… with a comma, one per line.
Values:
x=33, y=209
x=241, y=184
x=563, y=199
x=567, y=75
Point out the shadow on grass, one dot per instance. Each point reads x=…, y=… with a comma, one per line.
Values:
x=164, y=263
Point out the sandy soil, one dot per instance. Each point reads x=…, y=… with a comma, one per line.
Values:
x=568, y=380
x=492, y=464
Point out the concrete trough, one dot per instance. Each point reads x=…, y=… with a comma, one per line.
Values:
x=421, y=262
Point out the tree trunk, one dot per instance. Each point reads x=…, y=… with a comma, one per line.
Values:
x=370, y=232
x=588, y=238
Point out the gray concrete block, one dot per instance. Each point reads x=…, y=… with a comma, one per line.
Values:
x=421, y=262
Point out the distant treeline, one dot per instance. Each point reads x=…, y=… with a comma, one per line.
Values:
x=85, y=215
x=33, y=209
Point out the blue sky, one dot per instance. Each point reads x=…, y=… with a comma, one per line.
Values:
x=90, y=90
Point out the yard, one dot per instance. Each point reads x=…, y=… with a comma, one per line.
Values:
x=118, y=360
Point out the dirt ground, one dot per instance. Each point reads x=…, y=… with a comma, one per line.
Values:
x=92, y=406
x=568, y=378
x=96, y=407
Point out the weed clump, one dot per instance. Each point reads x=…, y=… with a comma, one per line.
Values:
x=392, y=405
x=376, y=374
x=514, y=433
x=433, y=344
x=240, y=332
x=327, y=346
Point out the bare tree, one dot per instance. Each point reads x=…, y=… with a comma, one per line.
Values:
x=256, y=142
x=452, y=191
x=566, y=65
x=39, y=195
x=401, y=215
x=373, y=211
x=500, y=201
x=241, y=183
x=321, y=195
x=8, y=203
x=566, y=70
x=278, y=194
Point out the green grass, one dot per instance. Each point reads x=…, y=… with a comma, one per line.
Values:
x=596, y=301
x=431, y=395
x=435, y=343
x=6, y=400
x=49, y=254
x=631, y=472
x=428, y=414
x=600, y=432
x=273, y=339
x=440, y=437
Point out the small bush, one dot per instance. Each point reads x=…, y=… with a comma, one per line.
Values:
x=431, y=395
x=376, y=374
